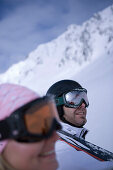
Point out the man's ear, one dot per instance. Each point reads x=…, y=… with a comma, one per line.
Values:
x=60, y=111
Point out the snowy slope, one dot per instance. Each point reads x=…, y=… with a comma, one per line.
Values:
x=98, y=79
x=83, y=53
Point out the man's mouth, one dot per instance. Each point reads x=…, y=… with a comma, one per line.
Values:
x=80, y=113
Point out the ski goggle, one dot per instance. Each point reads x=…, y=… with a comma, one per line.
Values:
x=73, y=98
x=32, y=122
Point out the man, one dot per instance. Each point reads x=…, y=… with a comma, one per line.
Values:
x=73, y=152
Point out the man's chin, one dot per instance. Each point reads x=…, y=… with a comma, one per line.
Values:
x=82, y=123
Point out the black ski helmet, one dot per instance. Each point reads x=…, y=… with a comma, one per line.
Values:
x=60, y=87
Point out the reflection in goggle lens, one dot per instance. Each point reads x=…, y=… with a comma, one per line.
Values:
x=75, y=98
x=38, y=120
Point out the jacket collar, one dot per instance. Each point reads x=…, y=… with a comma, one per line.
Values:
x=79, y=132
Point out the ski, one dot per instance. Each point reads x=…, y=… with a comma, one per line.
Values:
x=92, y=149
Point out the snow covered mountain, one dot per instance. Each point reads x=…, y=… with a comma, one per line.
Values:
x=66, y=55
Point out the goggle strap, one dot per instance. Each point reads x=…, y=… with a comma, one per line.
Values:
x=4, y=130
x=59, y=101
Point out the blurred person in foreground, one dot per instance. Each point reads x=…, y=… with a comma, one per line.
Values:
x=28, y=125
x=73, y=151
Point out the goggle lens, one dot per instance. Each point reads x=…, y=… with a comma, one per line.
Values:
x=75, y=98
x=39, y=118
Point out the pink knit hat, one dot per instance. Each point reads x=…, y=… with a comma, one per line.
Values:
x=13, y=96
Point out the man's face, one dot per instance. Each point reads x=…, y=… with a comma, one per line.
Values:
x=76, y=116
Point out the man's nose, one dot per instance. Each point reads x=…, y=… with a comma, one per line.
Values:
x=83, y=105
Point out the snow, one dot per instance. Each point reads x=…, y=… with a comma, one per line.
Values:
x=97, y=78
x=82, y=53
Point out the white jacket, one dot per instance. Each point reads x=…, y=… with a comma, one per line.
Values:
x=70, y=155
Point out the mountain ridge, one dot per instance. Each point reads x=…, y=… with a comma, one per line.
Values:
x=66, y=55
